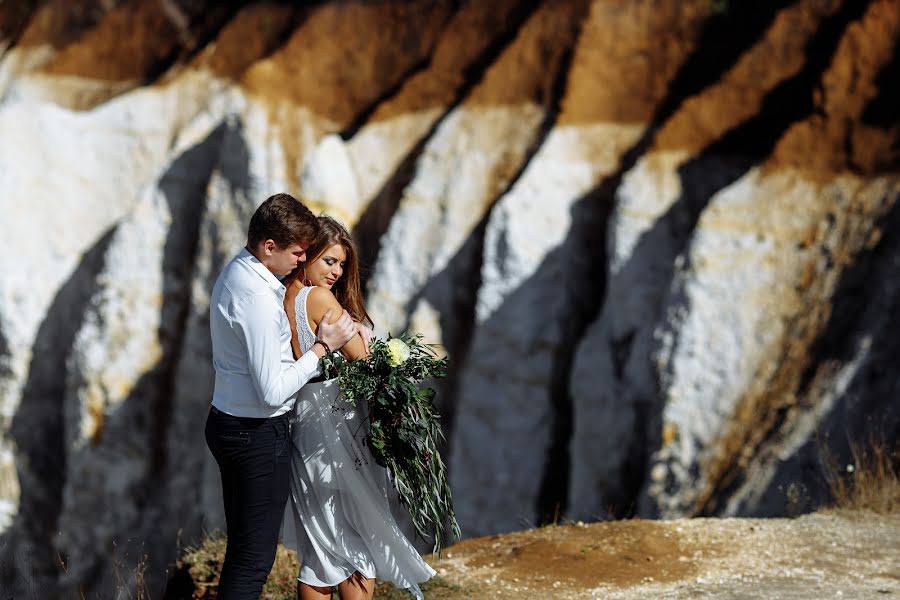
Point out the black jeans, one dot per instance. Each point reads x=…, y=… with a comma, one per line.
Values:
x=254, y=457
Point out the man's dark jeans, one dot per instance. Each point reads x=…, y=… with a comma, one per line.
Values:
x=254, y=457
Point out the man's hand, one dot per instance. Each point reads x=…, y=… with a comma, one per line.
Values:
x=365, y=333
x=338, y=333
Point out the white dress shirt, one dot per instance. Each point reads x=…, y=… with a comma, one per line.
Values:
x=256, y=374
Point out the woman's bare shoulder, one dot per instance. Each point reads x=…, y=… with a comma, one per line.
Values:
x=319, y=301
x=321, y=294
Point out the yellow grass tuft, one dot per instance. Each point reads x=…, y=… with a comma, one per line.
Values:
x=203, y=563
x=871, y=482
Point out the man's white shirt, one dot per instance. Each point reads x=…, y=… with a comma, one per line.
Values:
x=256, y=374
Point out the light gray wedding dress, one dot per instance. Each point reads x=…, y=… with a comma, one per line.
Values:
x=339, y=518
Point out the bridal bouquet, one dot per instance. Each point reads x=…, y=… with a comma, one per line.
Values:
x=404, y=429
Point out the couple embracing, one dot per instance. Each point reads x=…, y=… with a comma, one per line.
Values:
x=279, y=432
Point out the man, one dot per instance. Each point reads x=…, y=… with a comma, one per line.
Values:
x=256, y=378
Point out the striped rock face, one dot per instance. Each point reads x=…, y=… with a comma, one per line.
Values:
x=660, y=242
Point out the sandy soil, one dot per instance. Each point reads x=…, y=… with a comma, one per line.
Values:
x=824, y=555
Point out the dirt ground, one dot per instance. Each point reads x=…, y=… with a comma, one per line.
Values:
x=825, y=555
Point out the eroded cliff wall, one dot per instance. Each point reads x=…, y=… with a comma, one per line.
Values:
x=659, y=240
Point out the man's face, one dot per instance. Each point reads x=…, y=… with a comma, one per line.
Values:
x=282, y=261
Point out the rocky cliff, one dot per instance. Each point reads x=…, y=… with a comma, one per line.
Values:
x=659, y=240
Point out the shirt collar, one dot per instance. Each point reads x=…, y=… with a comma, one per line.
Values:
x=247, y=257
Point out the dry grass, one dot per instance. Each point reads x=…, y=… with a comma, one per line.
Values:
x=203, y=563
x=870, y=483
x=132, y=586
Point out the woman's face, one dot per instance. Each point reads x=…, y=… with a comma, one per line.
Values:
x=328, y=268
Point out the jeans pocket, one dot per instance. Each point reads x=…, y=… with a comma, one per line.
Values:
x=235, y=438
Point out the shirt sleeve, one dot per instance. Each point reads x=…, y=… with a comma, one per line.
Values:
x=275, y=381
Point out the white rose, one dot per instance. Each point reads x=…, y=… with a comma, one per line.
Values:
x=398, y=352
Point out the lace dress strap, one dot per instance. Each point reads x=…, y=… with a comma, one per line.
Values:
x=305, y=334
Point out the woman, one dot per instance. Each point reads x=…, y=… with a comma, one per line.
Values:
x=339, y=510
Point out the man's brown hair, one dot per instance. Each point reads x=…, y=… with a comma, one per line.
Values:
x=284, y=220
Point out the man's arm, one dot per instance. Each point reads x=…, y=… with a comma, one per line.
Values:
x=275, y=381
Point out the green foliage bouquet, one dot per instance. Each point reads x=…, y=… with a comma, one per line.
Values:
x=404, y=428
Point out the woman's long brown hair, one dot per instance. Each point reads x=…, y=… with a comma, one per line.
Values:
x=347, y=288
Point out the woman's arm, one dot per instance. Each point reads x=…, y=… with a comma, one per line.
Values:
x=319, y=302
